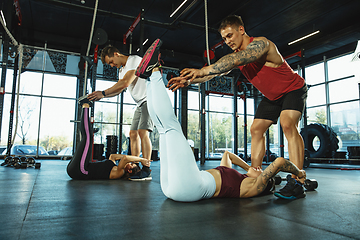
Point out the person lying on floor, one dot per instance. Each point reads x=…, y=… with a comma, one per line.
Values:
x=180, y=178
x=81, y=168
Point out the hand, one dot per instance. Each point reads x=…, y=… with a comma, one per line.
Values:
x=254, y=172
x=192, y=73
x=302, y=176
x=146, y=162
x=177, y=82
x=95, y=96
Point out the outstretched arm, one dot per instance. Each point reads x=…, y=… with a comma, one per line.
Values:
x=116, y=89
x=253, y=52
x=180, y=82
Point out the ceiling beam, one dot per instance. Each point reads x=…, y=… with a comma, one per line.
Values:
x=129, y=18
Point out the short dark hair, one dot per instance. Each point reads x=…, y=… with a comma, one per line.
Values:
x=232, y=20
x=108, y=51
x=134, y=171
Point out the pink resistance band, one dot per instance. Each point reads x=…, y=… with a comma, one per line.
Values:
x=87, y=143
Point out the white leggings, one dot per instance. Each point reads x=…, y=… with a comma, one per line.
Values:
x=180, y=177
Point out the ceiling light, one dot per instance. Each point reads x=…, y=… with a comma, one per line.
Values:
x=3, y=18
x=178, y=8
x=309, y=35
x=145, y=41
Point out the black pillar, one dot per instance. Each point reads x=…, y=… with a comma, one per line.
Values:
x=142, y=29
x=121, y=120
x=80, y=92
x=183, y=116
x=305, y=112
x=93, y=84
x=203, y=126
x=281, y=141
x=235, y=117
x=245, y=126
x=12, y=106
x=268, y=146
x=3, y=77
x=175, y=102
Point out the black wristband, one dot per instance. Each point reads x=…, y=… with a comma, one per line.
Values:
x=103, y=93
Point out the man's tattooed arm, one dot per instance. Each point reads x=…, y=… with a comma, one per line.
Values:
x=280, y=164
x=254, y=51
x=287, y=166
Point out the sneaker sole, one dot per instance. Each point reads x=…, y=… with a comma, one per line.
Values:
x=147, y=57
x=288, y=198
x=84, y=99
x=141, y=179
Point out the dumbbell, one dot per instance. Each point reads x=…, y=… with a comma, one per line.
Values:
x=32, y=163
x=31, y=160
x=37, y=165
x=23, y=162
x=309, y=184
x=7, y=161
x=16, y=162
x=279, y=179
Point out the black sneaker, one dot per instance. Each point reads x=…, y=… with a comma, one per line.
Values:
x=142, y=175
x=82, y=100
x=150, y=60
x=292, y=190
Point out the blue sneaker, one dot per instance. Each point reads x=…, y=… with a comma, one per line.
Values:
x=292, y=190
x=141, y=176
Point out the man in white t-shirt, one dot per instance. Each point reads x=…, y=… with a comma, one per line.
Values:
x=141, y=124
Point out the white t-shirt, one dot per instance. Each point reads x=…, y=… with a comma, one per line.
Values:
x=138, y=87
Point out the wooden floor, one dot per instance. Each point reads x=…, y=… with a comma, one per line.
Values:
x=46, y=204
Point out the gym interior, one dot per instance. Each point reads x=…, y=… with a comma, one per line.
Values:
x=50, y=58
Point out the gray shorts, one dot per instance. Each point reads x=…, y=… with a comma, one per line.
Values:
x=141, y=119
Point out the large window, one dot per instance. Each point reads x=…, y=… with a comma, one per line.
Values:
x=52, y=124
x=219, y=124
x=345, y=122
x=315, y=74
x=193, y=119
x=334, y=100
x=106, y=114
x=46, y=102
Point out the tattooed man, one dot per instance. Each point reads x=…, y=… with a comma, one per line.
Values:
x=284, y=91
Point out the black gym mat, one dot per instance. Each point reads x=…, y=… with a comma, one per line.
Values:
x=46, y=204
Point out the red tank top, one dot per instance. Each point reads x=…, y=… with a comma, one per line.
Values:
x=230, y=182
x=272, y=82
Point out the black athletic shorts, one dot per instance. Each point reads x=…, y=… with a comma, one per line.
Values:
x=294, y=100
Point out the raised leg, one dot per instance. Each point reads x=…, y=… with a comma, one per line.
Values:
x=77, y=167
x=184, y=180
